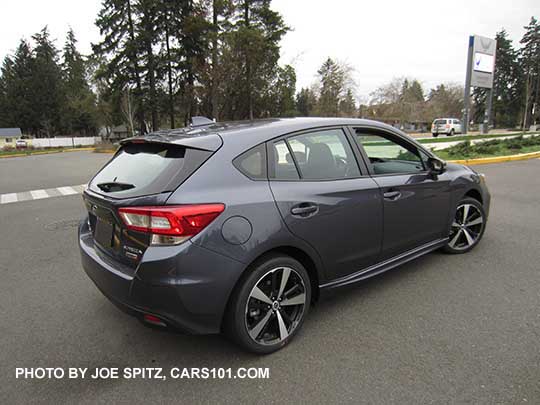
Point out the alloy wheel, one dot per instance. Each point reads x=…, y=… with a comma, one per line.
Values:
x=466, y=227
x=275, y=306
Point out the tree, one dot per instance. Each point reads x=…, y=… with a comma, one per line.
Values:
x=530, y=62
x=347, y=105
x=120, y=50
x=507, y=83
x=332, y=85
x=46, y=83
x=79, y=113
x=16, y=90
x=445, y=100
x=281, y=101
x=306, y=101
x=254, y=51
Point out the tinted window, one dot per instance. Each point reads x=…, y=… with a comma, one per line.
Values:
x=324, y=155
x=440, y=122
x=147, y=168
x=389, y=156
x=284, y=167
x=253, y=163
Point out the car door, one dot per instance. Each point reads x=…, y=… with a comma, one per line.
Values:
x=326, y=200
x=416, y=202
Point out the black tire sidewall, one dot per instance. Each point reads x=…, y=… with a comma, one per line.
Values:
x=478, y=205
x=236, y=327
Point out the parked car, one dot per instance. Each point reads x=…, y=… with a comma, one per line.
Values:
x=447, y=126
x=241, y=227
x=21, y=144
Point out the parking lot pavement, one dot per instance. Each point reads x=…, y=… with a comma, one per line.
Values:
x=452, y=329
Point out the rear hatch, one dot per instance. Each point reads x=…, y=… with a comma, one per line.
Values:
x=142, y=173
x=439, y=125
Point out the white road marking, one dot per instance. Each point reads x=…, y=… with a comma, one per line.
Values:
x=8, y=198
x=42, y=194
x=67, y=190
x=39, y=194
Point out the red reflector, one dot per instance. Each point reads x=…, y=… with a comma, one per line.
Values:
x=179, y=220
x=153, y=320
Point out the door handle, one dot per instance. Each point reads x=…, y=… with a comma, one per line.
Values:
x=392, y=195
x=304, y=209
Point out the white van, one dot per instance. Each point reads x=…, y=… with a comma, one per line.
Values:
x=448, y=126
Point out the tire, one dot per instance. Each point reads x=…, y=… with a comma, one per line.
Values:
x=435, y=135
x=262, y=324
x=452, y=132
x=465, y=235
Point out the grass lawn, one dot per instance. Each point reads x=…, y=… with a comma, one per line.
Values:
x=30, y=151
x=468, y=137
x=495, y=147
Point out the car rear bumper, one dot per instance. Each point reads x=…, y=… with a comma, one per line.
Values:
x=186, y=286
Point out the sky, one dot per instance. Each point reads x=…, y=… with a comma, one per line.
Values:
x=379, y=39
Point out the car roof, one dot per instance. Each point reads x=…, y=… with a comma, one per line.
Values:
x=248, y=133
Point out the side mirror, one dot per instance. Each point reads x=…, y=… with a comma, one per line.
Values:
x=436, y=166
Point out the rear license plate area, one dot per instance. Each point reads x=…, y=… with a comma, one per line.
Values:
x=104, y=233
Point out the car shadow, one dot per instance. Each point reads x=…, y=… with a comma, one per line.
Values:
x=167, y=347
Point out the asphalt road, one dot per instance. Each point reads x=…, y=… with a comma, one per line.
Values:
x=441, y=329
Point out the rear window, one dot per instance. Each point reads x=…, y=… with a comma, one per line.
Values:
x=253, y=163
x=440, y=122
x=147, y=168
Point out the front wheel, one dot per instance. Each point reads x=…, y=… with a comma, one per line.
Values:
x=467, y=227
x=269, y=305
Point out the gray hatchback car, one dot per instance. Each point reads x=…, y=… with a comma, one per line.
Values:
x=240, y=227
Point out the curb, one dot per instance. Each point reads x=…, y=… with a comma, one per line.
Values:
x=45, y=152
x=497, y=159
x=104, y=150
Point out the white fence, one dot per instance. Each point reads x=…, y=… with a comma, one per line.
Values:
x=66, y=142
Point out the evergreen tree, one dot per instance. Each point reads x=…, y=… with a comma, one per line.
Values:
x=120, y=50
x=254, y=46
x=530, y=62
x=332, y=81
x=16, y=91
x=507, y=83
x=280, y=102
x=80, y=108
x=146, y=31
x=306, y=101
x=47, y=88
x=347, y=106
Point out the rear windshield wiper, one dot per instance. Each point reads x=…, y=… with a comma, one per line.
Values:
x=113, y=186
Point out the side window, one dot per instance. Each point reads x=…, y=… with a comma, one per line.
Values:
x=389, y=156
x=283, y=167
x=324, y=155
x=252, y=163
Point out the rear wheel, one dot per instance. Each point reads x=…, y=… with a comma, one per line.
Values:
x=270, y=305
x=435, y=135
x=467, y=227
x=452, y=132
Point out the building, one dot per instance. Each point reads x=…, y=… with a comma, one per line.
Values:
x=8, y=136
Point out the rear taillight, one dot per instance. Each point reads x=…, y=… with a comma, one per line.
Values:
x=170, y=224
x=447, y=125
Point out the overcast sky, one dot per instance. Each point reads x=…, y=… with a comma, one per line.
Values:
x=381, y=39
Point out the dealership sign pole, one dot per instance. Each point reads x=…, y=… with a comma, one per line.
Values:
x=480, y=69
